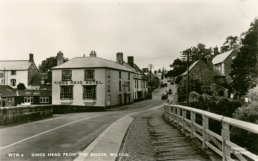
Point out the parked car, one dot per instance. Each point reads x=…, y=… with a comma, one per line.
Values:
x=164, y=96
x=170, y=91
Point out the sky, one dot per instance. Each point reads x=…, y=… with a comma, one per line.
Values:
x=153, y=31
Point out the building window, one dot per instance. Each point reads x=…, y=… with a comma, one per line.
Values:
x=135, y=83
x=108, y=86
x=1, y=74
x=13, y=82
x=13, y=72
x=129, y=85
x=120, y=75
x=129, y=76
x=89, y=92
x=9, y=99
x=108, y=73
x=66, y=75
x=120, y=86
x=66, y=92
x=44, y=99
x=89, y=75
x=28, y=99
x=120, y=99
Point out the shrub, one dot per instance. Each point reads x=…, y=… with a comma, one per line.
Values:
x=225, y=107
x=244, y=138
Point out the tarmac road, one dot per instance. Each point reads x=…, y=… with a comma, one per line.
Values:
x=62, y=136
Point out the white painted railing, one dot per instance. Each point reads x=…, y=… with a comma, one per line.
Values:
x=220, y=144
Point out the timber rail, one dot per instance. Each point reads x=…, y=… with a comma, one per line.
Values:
x=186, y=118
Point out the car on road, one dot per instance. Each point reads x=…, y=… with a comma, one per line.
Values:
x=170, y=91
x=164, y=96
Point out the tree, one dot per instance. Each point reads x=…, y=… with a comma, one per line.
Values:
x=178, y=67
x=197, y=52
x=195, y=84
x=49, y=63
x=244, y=67
x=21, y=86
x=231, y=43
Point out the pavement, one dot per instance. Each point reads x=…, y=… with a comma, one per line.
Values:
x=107, y=145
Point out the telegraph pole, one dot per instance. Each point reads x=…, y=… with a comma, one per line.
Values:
x=187, y=88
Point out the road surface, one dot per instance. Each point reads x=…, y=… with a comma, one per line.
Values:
x=63, y=136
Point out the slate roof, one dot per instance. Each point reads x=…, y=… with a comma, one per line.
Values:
x=92, y=62
x=14, y=64
x=7, y=91
x=210, y=66
x=191, y=67
x=221, y=57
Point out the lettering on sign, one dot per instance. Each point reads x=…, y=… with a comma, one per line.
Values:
x=93, y=82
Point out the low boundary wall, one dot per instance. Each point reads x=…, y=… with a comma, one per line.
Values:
x=12, y=115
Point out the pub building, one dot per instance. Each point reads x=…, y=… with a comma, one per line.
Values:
x=93, y=81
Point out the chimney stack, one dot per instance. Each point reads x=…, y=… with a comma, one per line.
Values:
x=130, y=61
x=31, y=59
x=60, y=58
x=119, y=58
x=93, y=53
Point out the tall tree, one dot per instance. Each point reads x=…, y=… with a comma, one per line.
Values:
x=245, y=66
x=197, y=52
x=49, y=63
x=178, y=67
x=231, y=43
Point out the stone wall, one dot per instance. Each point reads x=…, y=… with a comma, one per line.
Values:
x=12, y=115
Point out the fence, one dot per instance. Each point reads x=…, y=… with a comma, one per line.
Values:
x=186, y=118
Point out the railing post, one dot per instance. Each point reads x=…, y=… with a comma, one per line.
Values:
x=205, y=125
x=183, y=120
x=192, y=123
x=178, y=116
x=225, y=136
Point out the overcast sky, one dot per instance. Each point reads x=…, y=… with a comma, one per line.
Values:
x=154, y=31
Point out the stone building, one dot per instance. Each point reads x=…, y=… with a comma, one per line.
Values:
x=213, y=81
x=93, y=81
x=13, y=72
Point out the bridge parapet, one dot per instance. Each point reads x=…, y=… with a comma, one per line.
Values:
x=196, y=122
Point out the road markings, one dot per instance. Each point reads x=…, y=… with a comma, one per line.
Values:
x=48, y=131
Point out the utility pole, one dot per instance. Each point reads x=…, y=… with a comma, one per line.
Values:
x=150, y=66
x=187, y=88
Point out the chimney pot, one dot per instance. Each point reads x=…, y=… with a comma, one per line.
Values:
x=60, y=58
x=119, y=58
x=31, y=58
x=93, y=53
x=130, y=60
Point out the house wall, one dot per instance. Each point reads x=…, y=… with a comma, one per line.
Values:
x=7, y=102
x=21, y=77
x=31, y=72
x=113, y=95
x=201, y=70
x=78, y=76
x=104, y=97
x=228, y=62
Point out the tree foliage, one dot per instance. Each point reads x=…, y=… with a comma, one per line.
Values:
x=21, y=86
x=49, y=63
x=244, y=66
x=197, y=52
x=231, y=43
x=178, y=67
